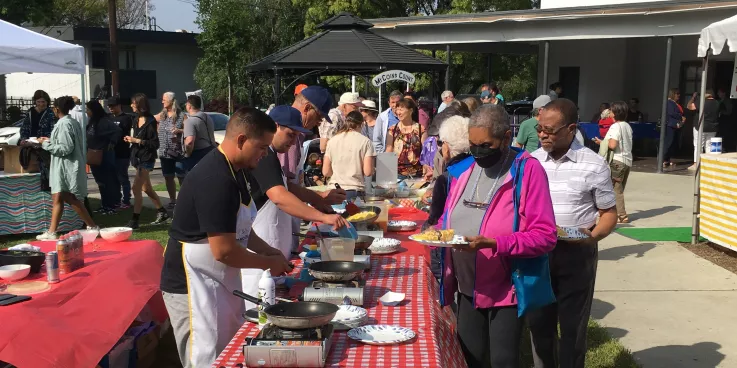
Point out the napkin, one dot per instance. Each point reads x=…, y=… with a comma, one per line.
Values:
x=26, y=247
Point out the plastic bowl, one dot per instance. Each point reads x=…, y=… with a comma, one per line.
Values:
x=14, y=272
x=116, y=234
x=89, y=236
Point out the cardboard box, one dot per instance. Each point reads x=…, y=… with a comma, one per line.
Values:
x=11, y=161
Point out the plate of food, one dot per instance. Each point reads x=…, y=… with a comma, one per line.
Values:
x=401, y=225
x=570, y=233
x=439, y=238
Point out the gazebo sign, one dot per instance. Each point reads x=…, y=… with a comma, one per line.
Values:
x=389, y=75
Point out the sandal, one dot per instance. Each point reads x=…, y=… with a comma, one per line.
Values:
x=623, y=219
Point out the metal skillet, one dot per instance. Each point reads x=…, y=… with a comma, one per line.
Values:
x=295, y=315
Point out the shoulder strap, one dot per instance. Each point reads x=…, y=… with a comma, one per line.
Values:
x=517, y=187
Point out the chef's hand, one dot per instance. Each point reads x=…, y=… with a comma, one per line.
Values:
x=334, y=196
x=336, y=221
x=279, y=265
x=475, y=243
x=427, y=197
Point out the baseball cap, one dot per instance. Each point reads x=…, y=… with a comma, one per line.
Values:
x=350, y=98
x=288, y=117
x=299, y=88
x=540, y=101
x=113, y=101
x=369, y=105
x=320, y=97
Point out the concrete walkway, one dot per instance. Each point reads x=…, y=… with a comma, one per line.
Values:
x=670, y=307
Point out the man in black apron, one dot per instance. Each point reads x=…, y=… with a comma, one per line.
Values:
x=203, y=257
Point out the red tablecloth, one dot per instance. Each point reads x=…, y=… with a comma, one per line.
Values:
x=407, y=272
x=76, y=323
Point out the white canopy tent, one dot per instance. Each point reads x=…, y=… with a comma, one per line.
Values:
x=23, y=50
x=711, y=41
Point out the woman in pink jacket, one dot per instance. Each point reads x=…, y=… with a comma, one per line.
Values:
x=480, y=207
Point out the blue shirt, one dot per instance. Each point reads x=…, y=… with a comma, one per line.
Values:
x=393, y=119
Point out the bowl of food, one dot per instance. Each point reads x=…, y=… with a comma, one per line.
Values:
x=116, y=234
x=12, y=257
x=89, y=235
x=14, y=272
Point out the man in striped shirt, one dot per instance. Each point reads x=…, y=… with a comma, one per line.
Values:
x=581, y=189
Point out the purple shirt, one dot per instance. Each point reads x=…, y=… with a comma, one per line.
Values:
x=290, y=160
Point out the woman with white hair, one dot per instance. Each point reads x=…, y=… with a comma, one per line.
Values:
x=171, y=155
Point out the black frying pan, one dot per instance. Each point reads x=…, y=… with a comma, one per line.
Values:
x=332, y=271
x=295, y=315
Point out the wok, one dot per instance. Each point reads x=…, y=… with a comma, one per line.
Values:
x=295, y=315
x=333, y=271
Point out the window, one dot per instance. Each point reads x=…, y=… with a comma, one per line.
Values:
x=100, y=59
x=690, y=80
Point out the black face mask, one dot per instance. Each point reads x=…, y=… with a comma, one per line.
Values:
x=486, y=156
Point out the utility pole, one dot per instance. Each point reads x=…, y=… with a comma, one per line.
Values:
x=148, y=19
x=113, y=29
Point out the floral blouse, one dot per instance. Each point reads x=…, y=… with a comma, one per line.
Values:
x=170, y=143
x=409, y=148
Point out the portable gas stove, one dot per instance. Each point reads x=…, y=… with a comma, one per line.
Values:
x=279, y=347
x=335, y=292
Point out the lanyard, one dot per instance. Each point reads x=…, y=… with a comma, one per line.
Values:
x=230, y=166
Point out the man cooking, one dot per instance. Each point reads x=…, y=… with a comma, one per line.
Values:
x=207, y=239
x=278, y=199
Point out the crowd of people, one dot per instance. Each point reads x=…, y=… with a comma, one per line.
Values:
x=110, y=142
x=506, y=194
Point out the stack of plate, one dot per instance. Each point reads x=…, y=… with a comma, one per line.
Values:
x=348, y=317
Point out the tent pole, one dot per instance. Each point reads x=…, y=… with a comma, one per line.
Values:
x=381, y=86
x=83, y=82
x=353, y=83
x=664, y=108
x=696, y=190
x=546, y=59
x=447, y=69
x=277, y=86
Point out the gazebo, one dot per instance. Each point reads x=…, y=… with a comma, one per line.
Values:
x=346, y=45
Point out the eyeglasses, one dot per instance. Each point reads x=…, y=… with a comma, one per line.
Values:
x=548, y=130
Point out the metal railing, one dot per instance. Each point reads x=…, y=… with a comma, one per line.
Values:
x=13, y=109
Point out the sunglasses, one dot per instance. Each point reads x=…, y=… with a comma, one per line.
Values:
x=476, y=205
x=548, y=131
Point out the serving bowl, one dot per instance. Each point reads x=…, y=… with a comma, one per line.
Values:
x=14, y=272
x=89, y=235
x=116, y=234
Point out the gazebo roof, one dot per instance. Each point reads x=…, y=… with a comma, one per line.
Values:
x=347, y=43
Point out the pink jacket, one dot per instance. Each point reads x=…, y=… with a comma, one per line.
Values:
x=536, y=236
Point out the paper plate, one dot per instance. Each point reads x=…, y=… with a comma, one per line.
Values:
x=28, y=288
x=348, y=313
x=401, y=225
x=384, y=246
x=457, y=239
x=381, y=334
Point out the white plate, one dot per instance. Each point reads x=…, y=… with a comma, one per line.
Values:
x=349, y=313
x=384, y=246
x=401, y=225
x=457, y=239
x=381, y=334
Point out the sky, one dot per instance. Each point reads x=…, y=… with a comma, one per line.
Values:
x=175, y=14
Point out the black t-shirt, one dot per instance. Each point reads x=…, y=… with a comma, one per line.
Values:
x=711, y=115
x=267, y=175
x=208, y=202
x=634, y=116
x=125, y=123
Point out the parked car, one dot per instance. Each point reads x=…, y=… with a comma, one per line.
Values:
x=220, y=121
x=11, y=135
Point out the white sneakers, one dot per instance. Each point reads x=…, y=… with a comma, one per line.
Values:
x=46, y=235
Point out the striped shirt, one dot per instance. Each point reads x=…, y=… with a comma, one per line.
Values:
x=580, y=185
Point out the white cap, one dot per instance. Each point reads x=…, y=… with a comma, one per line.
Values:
x=350, y=98
x=541, y=101
x=369, y=105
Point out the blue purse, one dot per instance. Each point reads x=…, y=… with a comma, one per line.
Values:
x=530, y=276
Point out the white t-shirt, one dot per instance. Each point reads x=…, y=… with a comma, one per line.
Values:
x=622, y=132
x=347, y=152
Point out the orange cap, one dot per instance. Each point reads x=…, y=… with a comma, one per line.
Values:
x=299, y=88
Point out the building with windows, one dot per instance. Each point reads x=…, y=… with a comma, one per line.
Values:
x=151, y=62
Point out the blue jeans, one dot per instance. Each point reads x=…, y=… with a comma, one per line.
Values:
x=172, y=166
x=107, y=180
x=121, y=169
x=196, y=156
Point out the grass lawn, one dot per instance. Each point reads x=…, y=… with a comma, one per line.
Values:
x=146, y=231
x=162, y=187
x=603, y=350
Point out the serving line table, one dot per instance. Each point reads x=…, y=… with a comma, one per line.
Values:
x=718, y=199
x=25, y=208
x=77, y=321
x=407, y=271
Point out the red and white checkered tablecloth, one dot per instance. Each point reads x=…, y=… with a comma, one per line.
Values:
x=436, y=344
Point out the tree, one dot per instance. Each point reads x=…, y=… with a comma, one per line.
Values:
x=76, y=13
x=236, y=33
